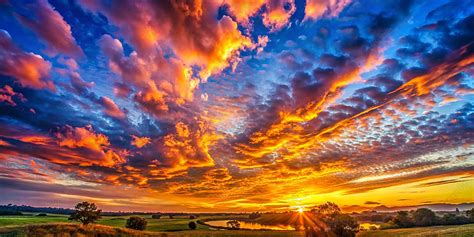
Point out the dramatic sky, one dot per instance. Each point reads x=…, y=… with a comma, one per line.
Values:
x=235, y=105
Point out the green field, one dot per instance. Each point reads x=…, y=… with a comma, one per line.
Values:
x=178, y=227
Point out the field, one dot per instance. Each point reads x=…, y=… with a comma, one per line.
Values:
x=178, y=227
x=448, y=231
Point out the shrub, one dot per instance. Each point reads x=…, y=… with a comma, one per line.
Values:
x=192, y=217
x=451, y=219
x=470, y=215
x=41, y=214
x=192, y=225
x=233, y=224
x=343, y=225
x=403, y=220
x=136, y=223
x=10, y=213
x=424, y=217
x=254, y=215
x=156, y=216
x=86, y=213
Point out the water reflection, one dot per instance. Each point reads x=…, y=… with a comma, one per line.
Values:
x=250, y=225
x=369, y=226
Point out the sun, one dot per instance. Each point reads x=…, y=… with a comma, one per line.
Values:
x=300, y=209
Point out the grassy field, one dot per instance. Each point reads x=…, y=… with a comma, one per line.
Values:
x=52, y=225
x=448, y=231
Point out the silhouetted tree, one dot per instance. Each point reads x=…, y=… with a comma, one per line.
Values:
x=327, y=208
x=192, y=217
x=171, y=216
x=136, y=223
x=343, y=225
x=402, y=219
x=192, y=225
x=470, y=215
x=424, y=217
x=86, y=213
x=452, y=219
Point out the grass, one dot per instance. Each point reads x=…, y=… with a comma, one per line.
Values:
x=447, y=231
x=76, y=230
x=163, y=224
x=69, y=229
x=58, y=225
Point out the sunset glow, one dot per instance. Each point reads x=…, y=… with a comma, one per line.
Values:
x=226, y=106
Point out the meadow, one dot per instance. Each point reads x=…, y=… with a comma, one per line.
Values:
x=53, y=225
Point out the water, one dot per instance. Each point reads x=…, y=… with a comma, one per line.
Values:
x=368, y=225
x=250, y=225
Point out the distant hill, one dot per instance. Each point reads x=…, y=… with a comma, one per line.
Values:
x=432, y=206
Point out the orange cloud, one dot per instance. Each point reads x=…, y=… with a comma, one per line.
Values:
x=187, y=147
x=29, y=69
x=316, y=9
x=85, y=137
x=278, y=14
x=140, y=141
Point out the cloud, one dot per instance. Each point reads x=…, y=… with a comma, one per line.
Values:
x=140, y=142
x=30, y=69
x=111, y=109
x=152, y=26
x=371, y=203
x=50, y=26
x=7, y=95
x=316, y=9
x=85, y=137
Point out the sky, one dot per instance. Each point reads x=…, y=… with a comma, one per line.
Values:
x=234, y=105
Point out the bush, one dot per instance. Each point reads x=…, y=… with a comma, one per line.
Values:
x=254, y=215
x=41, y=214
x=403, y=220
x=10, y=213
x=192, y=217
x=192, y=225
x=470, y=215
x=451, y=219
x=156, y=216
x=424, y=217
x=136, y=223
x=86, y=213
x=343, y=225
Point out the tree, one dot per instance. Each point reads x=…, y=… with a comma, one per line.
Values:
x=424, y=217
x=343, y=225
x=327, y=208
x=85, y=212
x=470, y=215
x=402, y=219
x=136, y=223
x=192, y=225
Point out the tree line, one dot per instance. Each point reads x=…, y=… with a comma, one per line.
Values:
x=426, y=217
